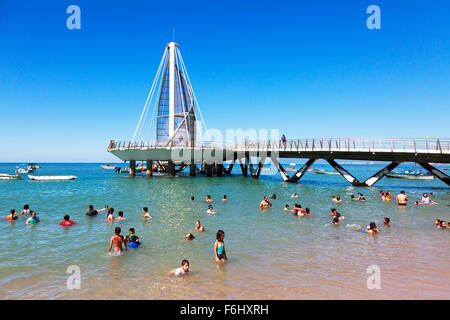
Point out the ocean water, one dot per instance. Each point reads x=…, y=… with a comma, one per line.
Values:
x=272, y=254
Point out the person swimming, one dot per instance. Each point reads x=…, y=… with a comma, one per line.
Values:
x=372, y=228
x=307, y=212
x=192, y=198
x=117, y=241
x=352, y=197
x=199, y=227
x=26, y=210
x=189, y=236
x=91, y=211
x=294, y=195
x=67, y=222
x=224, y=198
x=426, y=200
x=120, y=216
x=208, y=199
x=265, y=203
x=219, y=247
x=131, y=232
x=134, y=242
x=183, y=270
x=146, y=213
x=12, y=215
x=274, y=196
x=337, y=199
x=335, y=221
x=361, y=197
x=386, y=221
x=286, y=208
x=210, y=210
x=33, y=219
x=110, y=215
x=298, y=210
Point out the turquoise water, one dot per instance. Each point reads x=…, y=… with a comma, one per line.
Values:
x=272, y=254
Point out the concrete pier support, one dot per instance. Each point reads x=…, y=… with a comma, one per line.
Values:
x=244, y=167
x=230, y=167
x=436, y=172
x=171, y=168
x=209, y=170
x=192, y=169
x=256, y=171
x=132, y=172
x=280, y=169
x=219, y=169
x=149, y=171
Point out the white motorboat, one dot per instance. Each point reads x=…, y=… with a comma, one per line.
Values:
x=48, y=178
x=108, y=167
x=410, y=174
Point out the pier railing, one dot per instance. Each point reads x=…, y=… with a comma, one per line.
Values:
x=418, y=145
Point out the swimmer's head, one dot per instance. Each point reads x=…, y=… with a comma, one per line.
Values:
x=443, y=224
x=189, y=236
x=307, y=210
x=286, y=206
x=386, y=220
x=402, y=192
x=120, y=214
x=117, y=230
x=208, y=196
x=352, y=196
x=425, y=195
x=192, y=198
x=185, y=265
x=338, y=197
x=13, y=212
x=131, y=231
x=111, y=211
x=220, y=235
x=26, y=207
x=33, y=214
x=197, y=224
x=274, y=196
x=91, y=207
x=372, y=225
x=145, y=209
x=416, y=203
x=224, y=196
x=66, y=217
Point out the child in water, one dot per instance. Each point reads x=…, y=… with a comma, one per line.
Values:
x=146, y=213
x=372, y=228
x=211, y=210
x=337, y=199
x=286, y=208
x=219, y=247
x=134, y=242
x=307, y=212
x=120, y=217
x=386, y=222
x=224, y=198
x=33, y=219
x=183, y=270
x=110, y=215
x=67, y=222
x=199, y=227
x=189, y=236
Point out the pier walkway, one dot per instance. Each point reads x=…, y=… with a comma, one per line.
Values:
x=219, y=159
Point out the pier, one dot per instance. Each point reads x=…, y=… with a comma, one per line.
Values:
x=218, y=160
x=176, y=146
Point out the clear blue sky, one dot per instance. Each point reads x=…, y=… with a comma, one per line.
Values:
x=309, y=68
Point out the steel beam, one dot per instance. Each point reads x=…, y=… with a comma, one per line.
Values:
x=192, y=169
x=436, y=172
x=281, y=170
x=244, y=167
x=230, y=167
x=297, y=176
x=256, y=171
x=171, y=168
x=219, y=169
x=380, y=174
x=345, y=173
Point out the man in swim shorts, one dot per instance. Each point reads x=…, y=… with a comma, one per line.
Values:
x=117, y=241
x=402, y=198
x=265, y=203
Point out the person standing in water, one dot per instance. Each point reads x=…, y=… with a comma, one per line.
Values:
x=146, y=213
x=12, y=215
x=33, y=219
x=26, y=210
x=199, y=227
x=265, y=203
x=402, y=198
x=208, y=199
x=219, y=247
x=118, y=242
x=110, y=215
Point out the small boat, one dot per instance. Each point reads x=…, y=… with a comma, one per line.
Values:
x=410, y=174
x=108, y=167
x=48, y=178
x=5, y=176
x=322, y=171
x=291, y=167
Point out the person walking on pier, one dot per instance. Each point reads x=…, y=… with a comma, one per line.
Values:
x=283, y=141
x=402, y=198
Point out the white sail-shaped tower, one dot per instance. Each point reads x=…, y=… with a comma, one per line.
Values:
x=175, y=104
